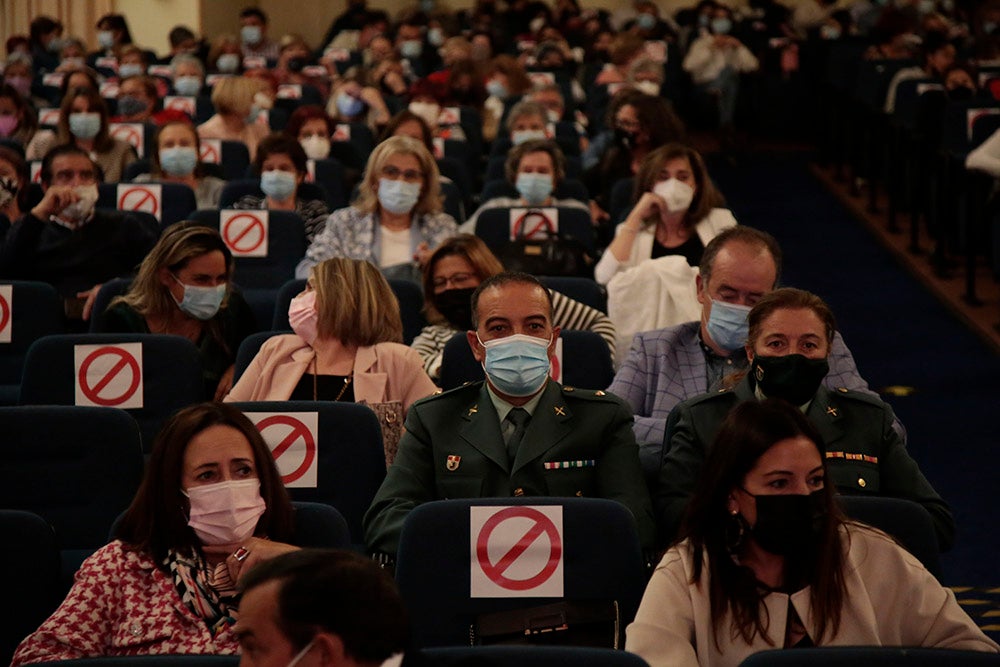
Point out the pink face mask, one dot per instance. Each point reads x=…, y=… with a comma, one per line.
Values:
x=7, y=125
x=304, y=317
x=226, y=512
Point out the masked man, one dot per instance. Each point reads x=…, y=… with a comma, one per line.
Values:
x=516, y=434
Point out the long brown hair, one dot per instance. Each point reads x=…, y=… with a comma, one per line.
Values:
x=156, y=521
x=750, y=430
x=706, y=196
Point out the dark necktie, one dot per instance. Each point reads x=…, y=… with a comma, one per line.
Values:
x=519, y=417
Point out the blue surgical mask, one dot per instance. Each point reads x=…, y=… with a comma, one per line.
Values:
x=84, y=124
x=645, y=21
x=535, y=188
x=398, y=197
x=228, y=63
x=517, y=365
x=105, y=38
x=251, y=34
x=130, y=69
x=178, y=161
x=129, y=105
x=278, y=185
x=348, y=105
x=201, y=303
x=496, y=88
x=721, y=25
x=727, y=325
x=518, y=137
x=188, y=86
x=411, y=48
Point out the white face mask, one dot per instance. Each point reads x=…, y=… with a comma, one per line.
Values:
x=79, y=211
x=677, y=194
x=648, y=87
x=316, y=147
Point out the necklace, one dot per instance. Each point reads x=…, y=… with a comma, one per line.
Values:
x=347, y=382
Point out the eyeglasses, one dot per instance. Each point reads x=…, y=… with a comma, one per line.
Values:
x=455, y=279
x=394, y=173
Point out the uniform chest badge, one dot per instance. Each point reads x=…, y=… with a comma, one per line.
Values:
x=452, y=462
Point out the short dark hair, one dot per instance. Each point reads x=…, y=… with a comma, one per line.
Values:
x=789, y=298
x=254, y=11
x=517, y=153
x=280, y=144
x=340, y=592
x=156, y=521
x=507, y=278
x=750, y=236
x=59, y=151
x=180, y=34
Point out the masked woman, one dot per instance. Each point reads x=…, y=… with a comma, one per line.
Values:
x=766, y=560
x=211, y=506
x=183, y=289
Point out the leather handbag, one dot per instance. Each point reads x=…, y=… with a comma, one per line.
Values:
x=593, y=623
x=554, y=254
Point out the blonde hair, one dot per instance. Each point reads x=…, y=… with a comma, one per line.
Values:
x=355, y=303
x=430, y=192
x=234, y=95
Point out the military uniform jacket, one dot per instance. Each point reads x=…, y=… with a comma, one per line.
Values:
x=864, y=455
x=578, y=443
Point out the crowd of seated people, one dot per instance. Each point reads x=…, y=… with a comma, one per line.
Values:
x=393, y=148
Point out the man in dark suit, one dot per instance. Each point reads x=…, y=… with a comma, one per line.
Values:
x=516, y=434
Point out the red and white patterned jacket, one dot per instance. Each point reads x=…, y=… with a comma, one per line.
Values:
x=121, y=604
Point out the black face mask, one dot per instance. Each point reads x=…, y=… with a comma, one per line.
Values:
x=792, y=377
x=456, y=306
x=789, y=525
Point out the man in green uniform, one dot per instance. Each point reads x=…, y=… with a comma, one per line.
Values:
x=516, y=434
x=790, y=332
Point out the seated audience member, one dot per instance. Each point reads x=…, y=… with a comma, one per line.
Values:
x=677, y=211
x=18, y=122
x=347, y=347
x=19, y=75
x=45, y=41
x=138, y=97
x=527, y=120
x=183, y=288
x=452, y=274
x=183, y=41
x=960, y=82
x=353, y=101
x=131, y=62
x=788, y=348
x=188, y=75
x=338, y=606
x=173, y=158
x=667, y=366
x=83, y=122
x=13, y=187
x=938, y=55
x=396, y=221
x=65, y=242
x=551, y=98
x=312, y=128
x=510, y=433
x=767, y=560
x=211, y=506
x=225, y=55
x=715, y=61
x=281, y=164
x=253, y=35
x=235, y=116
x=625, y=48
x=112, y=35
x=506, y=80
x=536, y=168
x=646, y=75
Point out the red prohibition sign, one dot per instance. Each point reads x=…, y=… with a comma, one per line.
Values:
x=210, y=154
x=299, y=430
x=124, y=360
x=554, y=368
x=4, y=313
x=495, y=571
x=234, y=242
x=522, y=224
x=127, y=202
x=129, y=134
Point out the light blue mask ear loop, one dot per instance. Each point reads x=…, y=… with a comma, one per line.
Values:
x=301, y=654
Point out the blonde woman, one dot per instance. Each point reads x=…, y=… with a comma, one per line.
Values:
x=397, y=219
x=235, y=116
x=183, y=289
x=347, y=347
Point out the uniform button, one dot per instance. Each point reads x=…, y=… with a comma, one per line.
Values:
x=861, y=482
x=518, y=491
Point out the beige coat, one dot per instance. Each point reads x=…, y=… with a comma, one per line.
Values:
x=891, y=600
x=383, y=372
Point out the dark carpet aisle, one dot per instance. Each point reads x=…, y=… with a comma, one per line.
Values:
x=901, y=337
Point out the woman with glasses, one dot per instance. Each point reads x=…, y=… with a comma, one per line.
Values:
x=397, y=219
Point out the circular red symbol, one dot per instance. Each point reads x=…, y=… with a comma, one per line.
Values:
x=139, y=199
x=554, y=368
x=239, y=238
x=125, y=360
x=210, y=153
x=542, y=526
x=299, y=430
x=4, y=313
x=531, y=223
x=129, y=134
